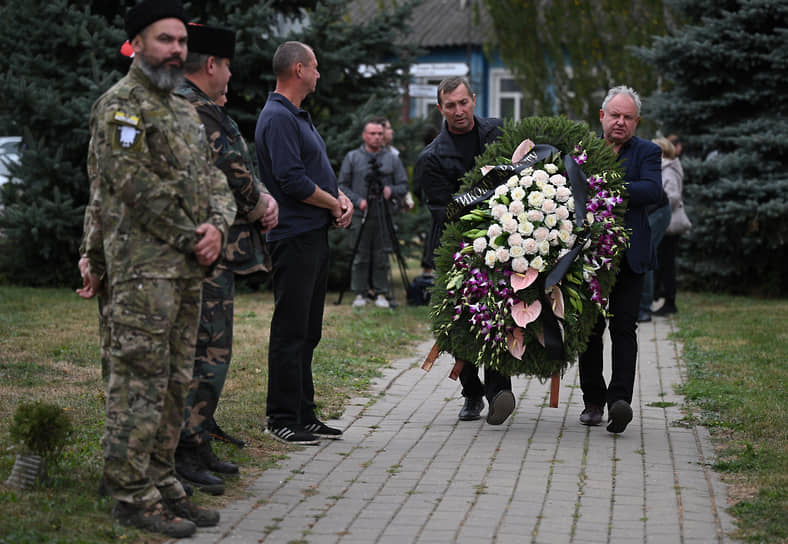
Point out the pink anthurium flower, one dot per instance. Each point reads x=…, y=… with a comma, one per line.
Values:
x=514, y=340
x=522, y=150
x=521, y=281
x=526, y=313
x=558, y=301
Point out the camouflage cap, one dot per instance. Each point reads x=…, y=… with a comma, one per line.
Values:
x=150, y=11
x=211, y=40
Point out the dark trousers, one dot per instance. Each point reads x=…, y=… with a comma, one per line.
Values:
x=472, y=386
x=666, y=272
x=300, y=275
x=624, y=301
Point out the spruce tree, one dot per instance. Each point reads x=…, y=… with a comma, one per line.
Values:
x=725, y=78
x=57, y=57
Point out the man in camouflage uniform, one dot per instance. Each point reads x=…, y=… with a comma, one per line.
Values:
x=164, y=211
x=207, y=74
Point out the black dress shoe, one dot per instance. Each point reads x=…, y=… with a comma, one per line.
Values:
x=212, y=462
x=619, y=415
x=592, y=415
x=501, y=406
x=189, y=468
x=472, y=409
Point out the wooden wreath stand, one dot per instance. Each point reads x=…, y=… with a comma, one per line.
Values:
x=555, y=380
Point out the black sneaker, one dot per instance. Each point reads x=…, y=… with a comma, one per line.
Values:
x=471, y=409
x=320, y=429
x=292, y=434
x=186, y=509
x=156, y=518
x=217, y=433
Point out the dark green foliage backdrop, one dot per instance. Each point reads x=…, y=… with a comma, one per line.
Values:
x=726, y=98
x=57, y=57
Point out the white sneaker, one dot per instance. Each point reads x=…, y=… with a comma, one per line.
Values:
x=381, y=302
x=359, y=301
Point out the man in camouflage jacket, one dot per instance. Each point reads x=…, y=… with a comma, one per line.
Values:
x=163, y=212
x=207, y=74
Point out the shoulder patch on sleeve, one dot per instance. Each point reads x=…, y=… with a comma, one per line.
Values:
x=126, y=118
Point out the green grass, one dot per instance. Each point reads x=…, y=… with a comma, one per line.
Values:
x=49, y=350
x=736, y=351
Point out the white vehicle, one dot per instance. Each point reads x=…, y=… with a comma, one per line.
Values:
x=10, y=151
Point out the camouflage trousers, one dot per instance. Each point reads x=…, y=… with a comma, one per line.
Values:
x=154, y=329
x=212, y=356
x=105, y=331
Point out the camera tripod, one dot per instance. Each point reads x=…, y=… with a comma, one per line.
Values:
x=375, y=200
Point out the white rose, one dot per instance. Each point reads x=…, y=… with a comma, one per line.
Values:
x=553, y=238
x=518, y=193
x=571, y=204
x=513, y=181
x=526, y=227
x=589, y=218
x=544, y=247
x=509, y=225
x=501, y=190
x=494, y=231
x=562, y=213
x=562, y=194
x=535, y=199
x=515, y=240
x=520, y=264
x=551, y=168
x=540, y=176
x=530, y=246
x=502, y=254
x=540, y=234
x=516, y=207
x=535, y=216
x=549, y=191
x=564, y=236
x=538, y=263
x=480, y=244
x=551, y=220
x=516, y=251
x=549, y=205
x=489, y=258
x=558, y=180
x=526, y=181
x=498, y=210
x=566, y=225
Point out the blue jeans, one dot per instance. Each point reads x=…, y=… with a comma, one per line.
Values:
x=658, y=220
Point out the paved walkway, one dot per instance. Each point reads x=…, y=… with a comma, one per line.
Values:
x=408, y=471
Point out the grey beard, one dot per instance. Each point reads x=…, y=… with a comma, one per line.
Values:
x=163, y=77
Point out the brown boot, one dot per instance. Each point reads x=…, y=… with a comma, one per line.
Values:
x=185, y=508
x=156, y=518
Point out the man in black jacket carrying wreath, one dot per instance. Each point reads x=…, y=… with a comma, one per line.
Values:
x=437, y=172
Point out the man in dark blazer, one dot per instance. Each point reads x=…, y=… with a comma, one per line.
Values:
x=619, y=116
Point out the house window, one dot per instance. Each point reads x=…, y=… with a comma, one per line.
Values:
x=506, y=98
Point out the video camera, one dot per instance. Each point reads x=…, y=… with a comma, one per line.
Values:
x=374, y=179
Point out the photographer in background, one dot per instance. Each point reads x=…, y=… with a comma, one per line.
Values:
x=370, y=176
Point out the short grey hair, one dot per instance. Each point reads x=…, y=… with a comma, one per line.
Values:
x=195, y=62
x=622, y=89
x=287, y=55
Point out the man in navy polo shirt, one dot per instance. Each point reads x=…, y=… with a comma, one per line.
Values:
x=641, y=159
x=295, y=168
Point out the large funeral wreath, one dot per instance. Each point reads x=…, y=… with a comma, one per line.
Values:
x=531, y=248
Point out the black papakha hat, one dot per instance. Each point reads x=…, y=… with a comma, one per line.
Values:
x=211, y=40
x=150, y=11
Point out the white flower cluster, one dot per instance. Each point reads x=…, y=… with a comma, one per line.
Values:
x=531, y=221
